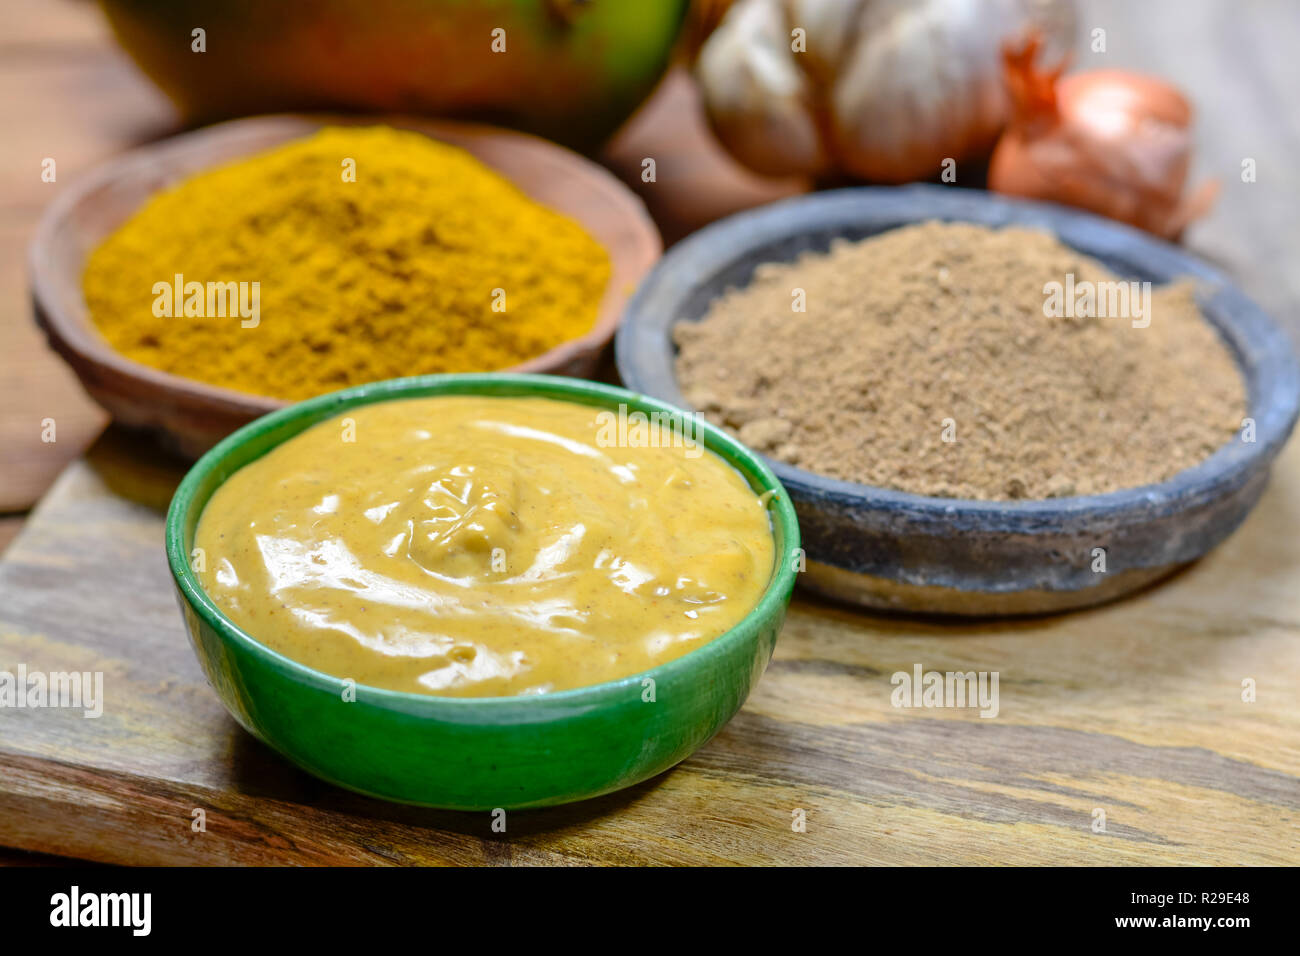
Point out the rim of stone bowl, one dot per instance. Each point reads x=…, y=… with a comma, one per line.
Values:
x=724, y=254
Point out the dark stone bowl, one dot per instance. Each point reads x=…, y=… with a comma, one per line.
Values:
x=890, y=549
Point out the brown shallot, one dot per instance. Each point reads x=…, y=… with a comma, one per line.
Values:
x=1110, y=141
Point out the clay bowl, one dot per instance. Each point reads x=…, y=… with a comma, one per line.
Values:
x=888, y=549
x=193, y=416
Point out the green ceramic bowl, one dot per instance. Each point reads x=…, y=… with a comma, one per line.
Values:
x=475, y=753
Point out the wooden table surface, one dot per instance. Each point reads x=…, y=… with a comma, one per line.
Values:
x=1134, y=711
x=1123, y=707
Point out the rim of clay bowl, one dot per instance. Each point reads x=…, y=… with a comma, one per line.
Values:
x=785, y=527
x=1261, y=349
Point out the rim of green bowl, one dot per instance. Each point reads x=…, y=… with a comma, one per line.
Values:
x=785, y=526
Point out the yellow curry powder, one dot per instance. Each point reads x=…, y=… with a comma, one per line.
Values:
x=376, y=253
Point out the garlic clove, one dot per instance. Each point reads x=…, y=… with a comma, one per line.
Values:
x=759, y=101
x=830, y=31
x=898, y=107
x=924, y=83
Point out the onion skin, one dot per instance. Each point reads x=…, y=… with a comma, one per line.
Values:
x=1110, y=141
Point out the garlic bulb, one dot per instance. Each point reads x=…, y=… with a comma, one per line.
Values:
x=878, y=89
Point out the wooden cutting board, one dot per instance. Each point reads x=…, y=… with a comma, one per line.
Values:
x=1133, y=711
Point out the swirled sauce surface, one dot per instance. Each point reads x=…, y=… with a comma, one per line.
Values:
x=481, y=546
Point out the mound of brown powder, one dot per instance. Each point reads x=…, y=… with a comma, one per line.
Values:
x=925, y=362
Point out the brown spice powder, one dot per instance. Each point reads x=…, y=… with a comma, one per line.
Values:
x=938, y=331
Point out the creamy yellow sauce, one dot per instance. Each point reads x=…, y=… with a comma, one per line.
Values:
x=478, y=546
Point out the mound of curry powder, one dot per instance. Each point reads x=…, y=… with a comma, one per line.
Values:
x=353, y=255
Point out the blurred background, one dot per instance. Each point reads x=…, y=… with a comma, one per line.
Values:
x=68, y=91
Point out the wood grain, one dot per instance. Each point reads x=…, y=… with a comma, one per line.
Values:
x=68, y=94
x=9, y=528
x=1237, y=64
x=1134, y=709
